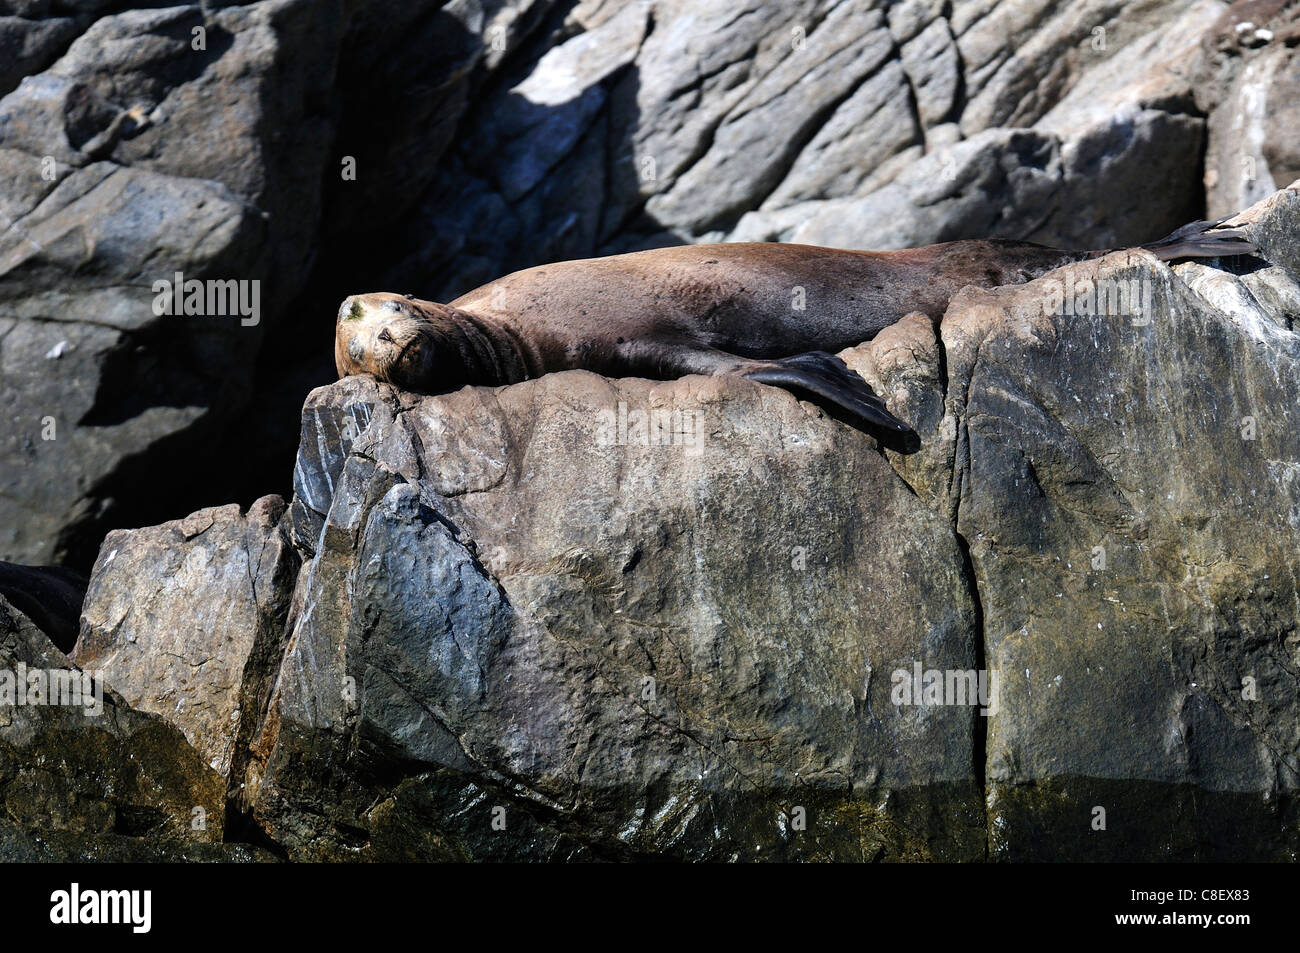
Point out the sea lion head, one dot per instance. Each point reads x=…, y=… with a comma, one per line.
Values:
x=395, y=338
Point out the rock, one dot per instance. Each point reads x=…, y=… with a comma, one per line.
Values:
x=1125, y=481
x=121, y=173
x=76, y=423
x=267, y=63
x=745, y=160
x=64, y=847
x=87, y=777
x=28, y=46
x=1020, y=58
x=1019, y=184
x=49, y=596
x=250, y=141
x=528, y=624
x=930, y=61
x=395, y=149
x=149, y=627
x=504, y=618
x=1122, y=636
x=1105, y=123
x=1247, y=83
x=605, y=641
x=845, y=157
x=536, y=123
x=490, y=135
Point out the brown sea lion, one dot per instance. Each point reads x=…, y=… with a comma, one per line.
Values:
x=764, y=311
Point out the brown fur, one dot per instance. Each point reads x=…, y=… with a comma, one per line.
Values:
x=699, y=309
x=687, y=309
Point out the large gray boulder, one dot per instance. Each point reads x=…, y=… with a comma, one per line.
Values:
x=149, y=628
x=680, y=650
x=83, y=777
x=1125, y=480
x=119, y=172
x=663, y=647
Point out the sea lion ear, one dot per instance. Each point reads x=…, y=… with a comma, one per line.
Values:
x=408, y=296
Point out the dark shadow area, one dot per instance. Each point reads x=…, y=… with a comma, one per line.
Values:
x=50, y=596
x=1057, y=819
x=242, y=828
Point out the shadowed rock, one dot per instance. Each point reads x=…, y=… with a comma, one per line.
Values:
x=48, y=595
x=150, y=628
x=84, y=777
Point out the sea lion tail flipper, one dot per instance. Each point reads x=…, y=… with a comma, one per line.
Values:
x=826, y=376
x=1203, y=240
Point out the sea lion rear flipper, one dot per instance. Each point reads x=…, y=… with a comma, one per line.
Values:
x=830, y=378
x=1203, y=240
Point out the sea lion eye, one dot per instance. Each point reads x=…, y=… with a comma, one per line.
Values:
x=356, y=350
x=353, y=313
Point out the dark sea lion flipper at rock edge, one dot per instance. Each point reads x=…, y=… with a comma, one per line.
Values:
x=828, y=377
x=1203, y=240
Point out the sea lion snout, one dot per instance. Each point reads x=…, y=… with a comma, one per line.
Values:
x=387, y=336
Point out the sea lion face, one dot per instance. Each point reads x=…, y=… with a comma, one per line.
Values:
x=390, y=336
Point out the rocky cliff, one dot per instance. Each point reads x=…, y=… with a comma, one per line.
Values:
x=581, y=618
x=325, y=147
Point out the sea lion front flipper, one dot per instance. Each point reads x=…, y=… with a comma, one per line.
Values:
x=830, y=378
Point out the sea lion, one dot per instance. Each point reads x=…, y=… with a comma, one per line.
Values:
x=768, y=312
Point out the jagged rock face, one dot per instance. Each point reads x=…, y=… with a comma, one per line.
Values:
x=494, y=588
x=119, y=173
x=1126, y=483
x=509, y=637
x=89, y=778
x=583, y=618
x=627, y=649
x=325, y=148
x=150, y=627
